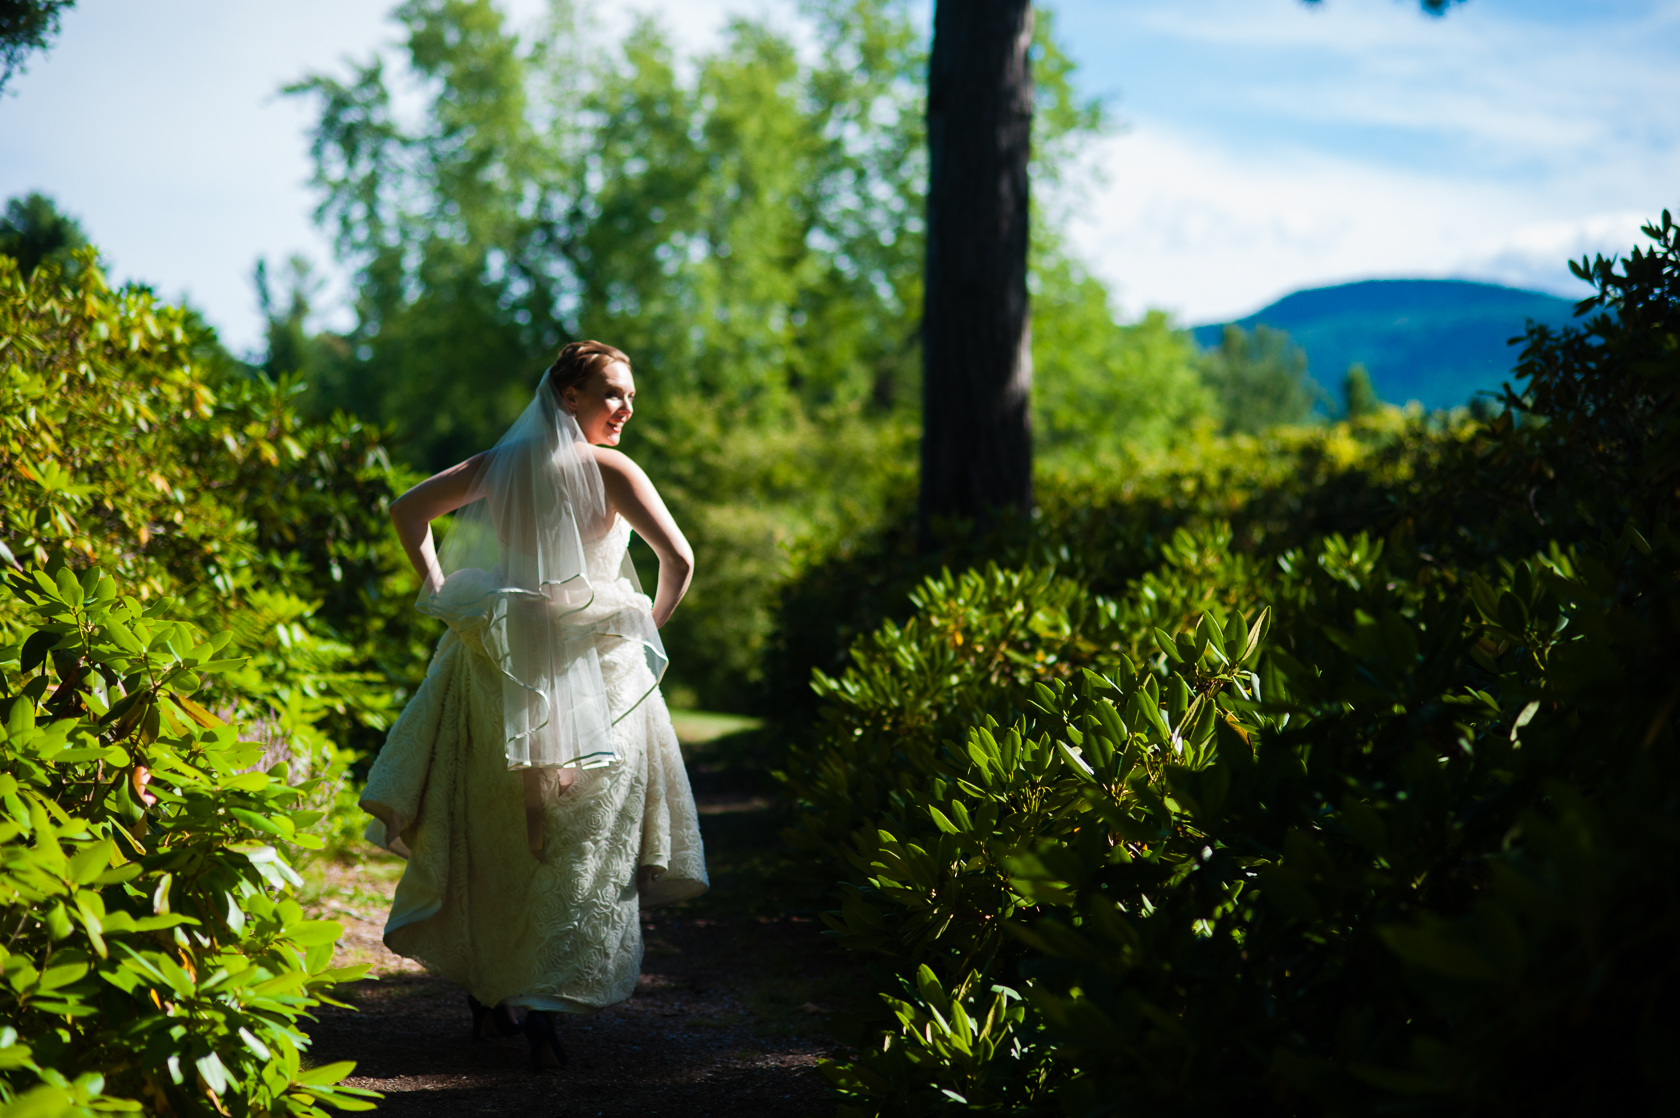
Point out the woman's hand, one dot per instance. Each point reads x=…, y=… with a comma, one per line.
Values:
x=632, y=495
x=415, y=510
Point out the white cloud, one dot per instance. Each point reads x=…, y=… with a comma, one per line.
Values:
x=1537, y=255
x=1213, y=236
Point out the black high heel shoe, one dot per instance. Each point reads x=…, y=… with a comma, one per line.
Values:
x=502, y=1021
x=539, y=1030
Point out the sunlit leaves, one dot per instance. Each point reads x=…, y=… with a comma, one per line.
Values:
x=154, y=958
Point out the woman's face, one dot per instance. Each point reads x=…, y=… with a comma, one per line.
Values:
x=603, y=403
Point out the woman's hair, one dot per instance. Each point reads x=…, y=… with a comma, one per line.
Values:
x=577, y=361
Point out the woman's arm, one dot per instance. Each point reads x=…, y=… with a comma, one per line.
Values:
x=633, y=496
x=415, y=510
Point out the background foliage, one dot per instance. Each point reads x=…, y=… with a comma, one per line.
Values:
x=746, y=224
x=26, y=26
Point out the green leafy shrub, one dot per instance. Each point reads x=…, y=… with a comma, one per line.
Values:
x=740, y=501
x=975, y=648
x=95, y=386
x=128, y=440
x=1388, y=825
x=1267, y=494
x=976, y=643
x=314, y=499
x=1224, y=875
x=1439, y=882
x=153, y=959
x=931, y=886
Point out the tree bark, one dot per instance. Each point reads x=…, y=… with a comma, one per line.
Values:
x=976, y=329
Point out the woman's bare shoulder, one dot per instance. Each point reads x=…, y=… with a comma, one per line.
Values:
x=617, y=464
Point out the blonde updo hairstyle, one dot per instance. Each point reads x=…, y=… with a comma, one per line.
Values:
x=577, y=362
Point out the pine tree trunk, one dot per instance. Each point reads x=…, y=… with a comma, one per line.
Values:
x=976, y=330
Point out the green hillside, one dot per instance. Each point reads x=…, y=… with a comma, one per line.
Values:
x=1435, y=341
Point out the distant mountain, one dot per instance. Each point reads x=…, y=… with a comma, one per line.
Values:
x=1435, y=341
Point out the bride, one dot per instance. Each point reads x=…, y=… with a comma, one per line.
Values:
x=534, y=782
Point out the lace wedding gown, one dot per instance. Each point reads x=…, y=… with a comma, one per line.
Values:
x=557, y=930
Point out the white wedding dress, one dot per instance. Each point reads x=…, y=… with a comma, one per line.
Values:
x=558, y=930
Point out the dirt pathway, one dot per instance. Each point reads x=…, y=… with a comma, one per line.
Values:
x=727, y=1018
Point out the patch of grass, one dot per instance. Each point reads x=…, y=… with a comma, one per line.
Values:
x=697, y=727
x=353, y=884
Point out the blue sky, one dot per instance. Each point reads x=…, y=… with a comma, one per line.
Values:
x=1264, y=145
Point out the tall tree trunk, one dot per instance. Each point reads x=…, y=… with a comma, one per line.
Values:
x=976, y=332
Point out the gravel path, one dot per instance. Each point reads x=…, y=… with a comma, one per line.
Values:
x=727, y=1017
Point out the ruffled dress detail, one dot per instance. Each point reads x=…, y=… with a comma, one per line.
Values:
x=559, y=930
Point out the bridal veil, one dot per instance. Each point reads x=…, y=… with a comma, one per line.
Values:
x=514, y=564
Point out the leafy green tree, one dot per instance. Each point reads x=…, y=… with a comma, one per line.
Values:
x=26, y=26
x=291, y=351
x=34, y=230
x=750, y=234
x=451, y=306
x=1101, y=390
x=1260, y=380
x=286, y=324
x=1359, y=396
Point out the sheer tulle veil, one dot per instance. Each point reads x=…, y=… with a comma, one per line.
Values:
x=515, y=562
